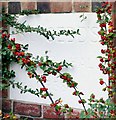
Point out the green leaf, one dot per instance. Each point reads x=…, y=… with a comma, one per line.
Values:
x=78, y=32
x=81, y=15
x=42, y=59
x=99, y=57
x=25, y=87
x=57, y=107
x=82, y=114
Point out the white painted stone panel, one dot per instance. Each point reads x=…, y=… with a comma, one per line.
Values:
x=82, y=51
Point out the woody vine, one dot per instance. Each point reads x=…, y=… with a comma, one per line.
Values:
x=16, y=52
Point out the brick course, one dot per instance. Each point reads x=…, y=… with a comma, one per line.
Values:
x=33, y=111
x=27, y=109
x=52, y=6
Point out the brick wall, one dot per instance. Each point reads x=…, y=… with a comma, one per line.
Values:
x=34, y=111
x=51, y=6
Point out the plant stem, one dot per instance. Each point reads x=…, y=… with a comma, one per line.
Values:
x=82, y=102
x=44, y=87
x=75, y=90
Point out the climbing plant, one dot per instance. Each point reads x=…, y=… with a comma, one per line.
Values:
x=13, y=52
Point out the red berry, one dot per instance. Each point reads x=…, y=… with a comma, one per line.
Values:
x=13, y=39
x=29, y=73
x=43, y=89
x=93, y=96
x=80, y=101
x=74, y=93
x=22, y=53
x=18, y=47
x=102, y=51
x=109, y=11
x=68, y=79
x=103, y=43
x=101, y=82
x=66, y=106
x=9, y=47
x=43, y=78
x=4, y=35
x=59, y=68
x=101, y=59
x=110, y=23
x=103, y=25
x=103, y=38
x=110, y=87
x=108, y=51
x=99, y=33
x=39, y=64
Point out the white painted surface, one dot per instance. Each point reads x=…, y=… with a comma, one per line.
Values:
x=82, y=51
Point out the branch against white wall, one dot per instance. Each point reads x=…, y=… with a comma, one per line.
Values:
x=82, y=51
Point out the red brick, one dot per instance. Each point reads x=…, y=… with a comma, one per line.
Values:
x=82, y=6
x=4, y=94
x=44, y=7
x=0, y=7
x=5, y=5
x=14, y=7
x=61, y=7
x=27, y=109
x=28, y=5
x=74, y=114
x=6, y=105
x=49, y=112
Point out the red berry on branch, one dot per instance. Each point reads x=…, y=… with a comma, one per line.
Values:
x=74, y=93
x=43, y=89
x=110, y=87
x=22, y=53
x=13, y=39
x=80, y=101
x=68, y=80
x=101, y=82
x=103, y=38
x=43, y=78
x=18, y=47
x=29, y=73
x=109, y=11
x=66, y=106
x=39, y=64
x=59, y=68
x=4, y=35
x=101, y=59
x=103, y=25
x=93, y=96
x=108, y=51
x=103, y=43
x=9, y=47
